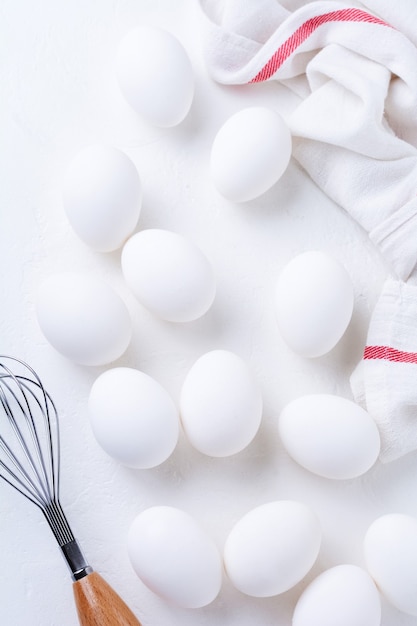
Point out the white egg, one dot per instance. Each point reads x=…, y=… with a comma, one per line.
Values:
x=250, y=153
x=133, y=418
x=390, y=548
x=102, y=196
x=329, y=435
x=220, y=404
x=155, y=75
x=344, y=595
x=174, y=557
x=83, y=318
x=313, y=303
x=272, y=548
x=169, y=275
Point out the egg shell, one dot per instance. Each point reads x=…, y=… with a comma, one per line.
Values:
x=271, y=548
x=390, y=548
x=314, y=301
x=329, y=435
x=155, y=75
x=220, y=404
x=102, y=196
x=344, y=595
x=133, y=418
x=169, y=275
x=174, y=557
x=83, y=318
x=250, y=153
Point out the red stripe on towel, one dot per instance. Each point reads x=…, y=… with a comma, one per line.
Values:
x=305, y=30
x=389, y=354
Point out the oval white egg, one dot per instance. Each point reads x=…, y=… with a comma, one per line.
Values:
x=133, y=418
x=344, y=595
x=250, y=153
x=329, y=435
x=271, y=548
x=220, y=404
x=174, y=557
x=155, y=75
x=102, y=196
x=83, y=318
x=390, y=547
x=169, y=275
x=313, y=303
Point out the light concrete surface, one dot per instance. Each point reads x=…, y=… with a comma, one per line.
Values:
x=58, y=94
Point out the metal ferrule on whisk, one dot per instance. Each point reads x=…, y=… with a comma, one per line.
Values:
x=76, y=560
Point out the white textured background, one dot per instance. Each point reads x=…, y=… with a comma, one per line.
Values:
x=58, y=93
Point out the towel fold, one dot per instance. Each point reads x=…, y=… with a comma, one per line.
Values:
x=353, y=68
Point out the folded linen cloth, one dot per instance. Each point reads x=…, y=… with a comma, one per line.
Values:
x=355, y=133
x=384, y=382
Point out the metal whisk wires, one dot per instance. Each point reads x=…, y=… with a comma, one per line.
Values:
x=29, y=442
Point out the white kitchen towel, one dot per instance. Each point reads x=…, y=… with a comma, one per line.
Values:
x=385, y=380
x=355, y=133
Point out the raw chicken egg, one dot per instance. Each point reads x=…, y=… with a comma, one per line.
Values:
x=344, y=595
x=83, y=318
x=169, y=275
x=250, y=153
x=102, y=197
x=390, y=548
x=313, y=303
x=133, y=418
x=329, y=435
x=271, y=548
x=155, y=75
x=220, y=404
x=174, y=557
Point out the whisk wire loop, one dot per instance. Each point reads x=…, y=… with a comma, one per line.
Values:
x=19, y=478
x=42, y=492
x=27, y=436
x=31, y=428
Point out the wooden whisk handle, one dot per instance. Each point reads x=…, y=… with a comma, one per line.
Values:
x=99, y=605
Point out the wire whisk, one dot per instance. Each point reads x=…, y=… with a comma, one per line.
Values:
x=30, y=462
